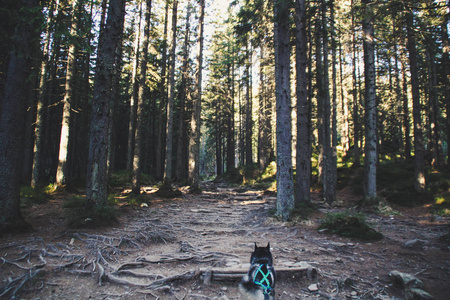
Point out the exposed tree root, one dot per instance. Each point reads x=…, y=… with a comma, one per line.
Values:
x=10, y=290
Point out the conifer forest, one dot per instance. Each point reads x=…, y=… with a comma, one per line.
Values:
x=311, y=113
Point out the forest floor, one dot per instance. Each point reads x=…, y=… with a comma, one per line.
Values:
x=169, y=249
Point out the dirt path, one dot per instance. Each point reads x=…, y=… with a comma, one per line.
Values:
x=165, y=250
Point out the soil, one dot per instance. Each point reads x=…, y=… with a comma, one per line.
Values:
x=168, y=249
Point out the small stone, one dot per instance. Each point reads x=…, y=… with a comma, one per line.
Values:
x=415, y=244
x=419, y=294
x=313, y=287
x=405, y=280
x=354, y=293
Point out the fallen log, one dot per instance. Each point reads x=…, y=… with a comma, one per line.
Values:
x=230, y=274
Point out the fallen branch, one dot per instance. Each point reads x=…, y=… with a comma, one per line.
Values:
x=236, y=274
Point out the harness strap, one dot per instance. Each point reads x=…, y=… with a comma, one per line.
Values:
x=264, y=282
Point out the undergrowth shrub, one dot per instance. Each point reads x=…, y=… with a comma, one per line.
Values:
x=302, y=211
x=123, y=178
x=350, y=225
x=30, y=196
x=395, y=181
x=98, y=216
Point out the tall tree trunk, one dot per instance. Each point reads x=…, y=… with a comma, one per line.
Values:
x=41, y=103
x=12, y=118
x=115, y=100
x=97, y=169
x=320, y=103
x=181, y=169
x=194, y=141
x=263, y=134
x=398, y=90
x=344, y=102
x=285, y=184
x=434, y=112
x=248, y=107
x=303, y=180
x=137, y=157
x=171, y=99
x=356, y=123
x=370, y=150
x=61, y=172
x=231, y=143
x=134, y=94
x=405, y=112
x=162, y=102
x=419, y=166
x=329, y=187
x=333, y=150
x=446, y=79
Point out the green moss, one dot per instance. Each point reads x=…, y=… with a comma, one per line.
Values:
x=123, y=178
x=350, y=225
x=98, y=216
x=302, y=211
x=30, y=196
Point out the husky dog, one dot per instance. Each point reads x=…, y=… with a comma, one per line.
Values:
x=259, y=282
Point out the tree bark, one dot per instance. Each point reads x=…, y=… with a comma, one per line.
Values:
x=181, y=169
x=137, y=157
x=419, y=167
x=446, y=79
x=171, y=99
x=356, y=122
x=405, y=112
x=231, y=142
x=248, y=107
x=264, y=122
x=12, y=120
x=194, y=142
x=97, y=169
x=41, y=102
x=162, y=102
x=134, y=94
x=320, y=84
x=329, y=186
x=61, y=172
x=285, y=188
x=370, y=149
x=303, y=181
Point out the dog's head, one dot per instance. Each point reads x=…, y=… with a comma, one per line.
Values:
x=261, y=255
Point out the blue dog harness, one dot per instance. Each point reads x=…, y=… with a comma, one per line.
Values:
x=265, y=280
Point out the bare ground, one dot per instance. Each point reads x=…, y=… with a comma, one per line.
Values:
x=197, y=246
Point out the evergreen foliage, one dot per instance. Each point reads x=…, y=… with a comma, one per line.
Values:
x=91, y=59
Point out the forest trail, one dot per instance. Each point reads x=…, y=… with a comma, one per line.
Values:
x=169, y=250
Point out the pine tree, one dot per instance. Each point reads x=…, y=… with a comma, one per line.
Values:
x=170, y=104
x=137, y=157
x=61, y=173
x=370, y=150
x=303, y=180
x=97, y=171
x=285, y=188
x=419, y=167
x=194, y=141
x=25, y=17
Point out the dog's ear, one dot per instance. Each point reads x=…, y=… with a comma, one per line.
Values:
x=268, y=246
x=256, y=246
